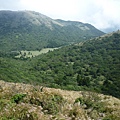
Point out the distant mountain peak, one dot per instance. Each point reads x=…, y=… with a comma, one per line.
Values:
x=38, y=30
x=37, y=18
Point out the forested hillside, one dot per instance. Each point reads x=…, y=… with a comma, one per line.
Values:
x=28, y=30
x=92, y=65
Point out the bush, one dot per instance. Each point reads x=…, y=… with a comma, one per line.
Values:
x=17, y=98
x=51, y=103
x=92, y=100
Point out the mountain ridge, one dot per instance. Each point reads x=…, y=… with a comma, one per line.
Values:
x=29, y=30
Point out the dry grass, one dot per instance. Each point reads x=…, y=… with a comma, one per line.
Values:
x=28, y=102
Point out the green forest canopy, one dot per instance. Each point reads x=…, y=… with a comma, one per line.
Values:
x=93, y=65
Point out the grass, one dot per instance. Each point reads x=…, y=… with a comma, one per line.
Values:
x=29, y=54
x=28, y=102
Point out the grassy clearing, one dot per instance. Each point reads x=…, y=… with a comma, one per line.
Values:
x=29, y=54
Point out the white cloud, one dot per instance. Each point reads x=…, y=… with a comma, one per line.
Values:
x=10, y=5
x=108, y=14
x=102, y=14
x=55, y=8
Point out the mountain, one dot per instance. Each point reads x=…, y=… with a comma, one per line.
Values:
x=28, y=102
x=29, y=30
x=92, y=65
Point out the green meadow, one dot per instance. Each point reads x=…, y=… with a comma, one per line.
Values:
x=29, y=54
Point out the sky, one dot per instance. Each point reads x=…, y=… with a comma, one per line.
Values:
x=103, y=14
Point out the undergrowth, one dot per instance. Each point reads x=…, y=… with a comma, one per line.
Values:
x=27, y=102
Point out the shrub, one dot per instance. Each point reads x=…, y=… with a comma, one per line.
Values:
x=92, y=101
x=51, y=103
x=112, y=117
x=17, y=98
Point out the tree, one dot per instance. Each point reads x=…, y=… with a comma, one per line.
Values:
x=83, y=81
x=79, y=80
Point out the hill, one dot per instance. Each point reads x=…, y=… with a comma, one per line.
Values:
x=28, y=102
x=29, y=30
x=93, y=65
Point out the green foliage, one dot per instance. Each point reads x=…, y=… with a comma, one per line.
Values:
x=112, y=117
x=51, y=103
x=81, y=100
x=4, y=118
x=91, y=100
x=2, y=103
x=95, y=106
x=83, y=81
x=20, y=31
x=92, y=65
x=54, y=104
x=17, y=98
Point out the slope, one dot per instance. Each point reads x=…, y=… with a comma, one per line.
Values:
x=29, y=30
x=28, y=102
x=92, y=65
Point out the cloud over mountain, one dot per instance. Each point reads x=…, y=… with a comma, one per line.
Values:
x=103, y=14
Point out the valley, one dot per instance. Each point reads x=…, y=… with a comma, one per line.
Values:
x=92, y=66
x=29, y=30
x=51, y=69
